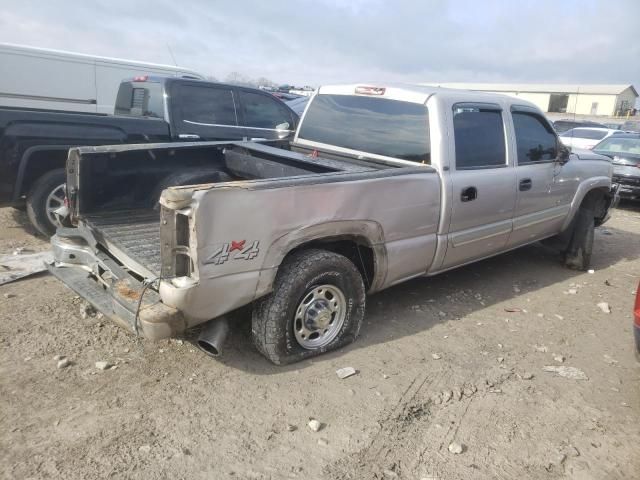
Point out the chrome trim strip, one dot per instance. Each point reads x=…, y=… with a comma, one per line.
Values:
x=234, y=126
x=90, y=101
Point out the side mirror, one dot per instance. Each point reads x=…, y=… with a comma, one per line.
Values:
x=563, y=153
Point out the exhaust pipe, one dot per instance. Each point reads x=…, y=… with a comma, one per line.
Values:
x=213, y=336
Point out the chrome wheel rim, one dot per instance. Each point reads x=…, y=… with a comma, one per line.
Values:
x=55, y=200
x=319, y=316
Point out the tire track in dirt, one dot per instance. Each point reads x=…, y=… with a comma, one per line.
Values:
x=411, y=443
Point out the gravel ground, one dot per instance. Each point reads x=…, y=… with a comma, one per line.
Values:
x=450, y=383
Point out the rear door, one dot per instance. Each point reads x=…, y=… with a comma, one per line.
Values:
x=541, y=206
x=482, y=182
x=264, y=116
x=201, y=111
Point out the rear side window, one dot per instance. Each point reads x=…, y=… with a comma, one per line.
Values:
x=205, y=105
x=379, y=126
x=535, y=140
x=140, y=99
x=479, y=137
x=262, y=111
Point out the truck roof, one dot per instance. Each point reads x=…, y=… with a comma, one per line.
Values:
x=416, y=93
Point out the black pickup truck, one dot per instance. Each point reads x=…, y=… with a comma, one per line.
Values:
x=34, y=143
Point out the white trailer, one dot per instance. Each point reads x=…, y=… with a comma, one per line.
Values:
x=51, y=79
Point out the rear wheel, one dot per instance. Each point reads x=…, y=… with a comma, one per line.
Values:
x=317, y=305
x=46, y=195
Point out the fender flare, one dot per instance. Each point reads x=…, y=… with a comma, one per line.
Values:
x=370, y=232
x=584, y=188
x=24, y=163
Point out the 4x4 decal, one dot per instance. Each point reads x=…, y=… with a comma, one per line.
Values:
x=242, y=252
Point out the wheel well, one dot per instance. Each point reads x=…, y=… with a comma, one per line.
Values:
x=355, y=249
x=39, y=163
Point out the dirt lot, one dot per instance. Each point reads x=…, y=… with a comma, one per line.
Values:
x=441, y=360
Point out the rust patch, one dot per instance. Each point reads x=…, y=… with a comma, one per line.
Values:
x=123, y=289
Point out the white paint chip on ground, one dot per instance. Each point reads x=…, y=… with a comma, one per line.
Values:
x=314, y=425
x=346, y=372
x=102, y=365
x=566, y=372
x=604, y=306
x=456, y=448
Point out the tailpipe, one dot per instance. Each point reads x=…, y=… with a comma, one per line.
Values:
x=213, y=335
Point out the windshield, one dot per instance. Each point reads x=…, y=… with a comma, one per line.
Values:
x=380, y=126
x=140, y=99
x=618, y=145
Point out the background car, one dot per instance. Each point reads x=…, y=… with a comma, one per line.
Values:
x=624, y=150
x=563, y=125
x=631, y=126
x=586, y=137
x=285, y=96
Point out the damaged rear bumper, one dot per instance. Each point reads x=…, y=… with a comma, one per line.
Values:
x=112, y=290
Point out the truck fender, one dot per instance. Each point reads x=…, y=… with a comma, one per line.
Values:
x=584, y=188
x=365, y=231
x=27, y=157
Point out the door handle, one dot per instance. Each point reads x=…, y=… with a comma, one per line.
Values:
x=468, y=194
x=189, y=136
x=525, y=184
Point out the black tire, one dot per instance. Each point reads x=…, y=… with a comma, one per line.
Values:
x=189, y=177
x=37, y=200
x=578, y=253
x=272, y=325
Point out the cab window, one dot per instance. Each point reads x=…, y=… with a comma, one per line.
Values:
x=262, y=111
x=209, y=106
x=379, y=126
x=479, y=137
x=535, y=139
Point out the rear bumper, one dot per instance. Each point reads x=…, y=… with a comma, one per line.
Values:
x=111, y=290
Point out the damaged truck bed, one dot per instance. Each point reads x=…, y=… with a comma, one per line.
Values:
x=127, y=245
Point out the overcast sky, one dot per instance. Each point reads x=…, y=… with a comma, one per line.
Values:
x=322, y=41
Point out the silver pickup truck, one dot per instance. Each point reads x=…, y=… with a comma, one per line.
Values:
x=380, y=185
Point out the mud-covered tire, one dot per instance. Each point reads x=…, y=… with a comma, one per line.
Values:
x=577, y=256
x=37, y=200
x=273, y=318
